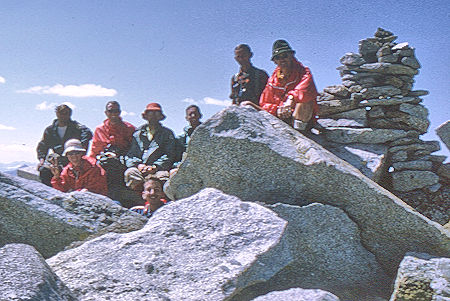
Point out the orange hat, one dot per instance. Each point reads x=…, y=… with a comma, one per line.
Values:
x=153, y=106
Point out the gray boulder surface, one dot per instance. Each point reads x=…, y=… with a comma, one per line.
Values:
x=217, y=247
x=50, y=220
x=191, y=249
x=443, y=131
x=24, y=275
x=298, y=294
x=422, y=277
x=255, y=156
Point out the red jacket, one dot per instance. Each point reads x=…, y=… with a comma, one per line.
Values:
x=90, y=176
x=118, y=135
x=300, y=85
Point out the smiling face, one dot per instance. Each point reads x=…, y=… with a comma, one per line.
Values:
x=63, y=116
x=242, y=56
x=75, y=157
x=285, y=61
x=193, y=116
x=153, y=192
x=113, y=112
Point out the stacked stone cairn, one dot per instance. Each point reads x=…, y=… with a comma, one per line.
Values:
x=374, y=120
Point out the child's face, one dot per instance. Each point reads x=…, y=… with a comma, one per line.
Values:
x=153, y=192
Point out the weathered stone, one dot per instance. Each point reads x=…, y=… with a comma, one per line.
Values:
x=435, y=158
x=401, y=46
x=399, y=156
x=407, y=117
x=375, y=112
x=410, y=61
x=444, y=171
x=405, y=52
x=368, y=49
x=383, y=51
x=255, y=156
x=414, y=165
x=443, y=131
x=348, y=83
x=338, y=90
x=413, y=179
x=364, y=135
x=383, y=33
x=28, y=172
x=405, y=141
x=356, y=96
x=298, y=294
x=367, y=82
x=389, y=102
x=353, y=59
x=391, y=58
x=355, y=88
x=357, y=114
x=50, y=220
x=353, y=118
x=422, y=277
x=393, y=81
x=324, y=96
x=24, y=275
x=336, y=106
x=377, y=92
x=428, y=146
x=418, y=93
x=388, y=68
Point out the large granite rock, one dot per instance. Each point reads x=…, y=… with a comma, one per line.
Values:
x=443, y=131
x=24, y=275
x=213, y=246
x=50, y=220
x=422, y=277
x=298, y=294
x=255, y=156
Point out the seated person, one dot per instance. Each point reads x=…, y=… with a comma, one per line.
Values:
x=290, y=93
x=81, y=174
x=62, y=129
x=112, y=139
x=153, y=147
x=193, y=116
x=153, y=196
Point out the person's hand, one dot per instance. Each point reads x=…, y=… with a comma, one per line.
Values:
x=284, y=112
x=41, y=162
x=55, y=170
x=147, y=169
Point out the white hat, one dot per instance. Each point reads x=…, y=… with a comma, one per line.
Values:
x=73, y=145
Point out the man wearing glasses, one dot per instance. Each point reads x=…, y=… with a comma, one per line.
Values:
x=290, y=93
x=62, y=129
x=114, y=133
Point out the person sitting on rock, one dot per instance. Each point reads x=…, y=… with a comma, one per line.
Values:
x=249, y=82
x=290, y=93
x=153, y=196
x=81, y=174
x=61, y=130
x=153, y=147
x=112, y=139
x=193, y=116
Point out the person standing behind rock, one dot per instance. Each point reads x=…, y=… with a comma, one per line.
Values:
x=290, y=93
x=153, y=147
x=81, y=174
x=249, y=82
x=153, y=195
x=193, y=116
x=62, y=129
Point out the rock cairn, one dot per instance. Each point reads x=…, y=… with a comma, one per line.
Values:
x=374, y=120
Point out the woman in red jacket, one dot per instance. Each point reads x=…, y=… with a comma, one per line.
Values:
x=81, y=174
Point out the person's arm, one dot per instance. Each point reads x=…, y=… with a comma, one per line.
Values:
x=85, y=135
x=168, y=158
x=99, y=142
x=134, y=155
x=60, y=181
x=305, y=91
x=266, y=101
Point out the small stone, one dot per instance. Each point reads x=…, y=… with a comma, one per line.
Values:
x=391, y=58
x=383, y=51
x=411, y=179
x=443, y=131
x=413, y=165
x=353, y=59
x=401, y=46
x=411, y=62
x=338, y=90
x=418, y=93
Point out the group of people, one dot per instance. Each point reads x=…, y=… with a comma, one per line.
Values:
x=138, y=160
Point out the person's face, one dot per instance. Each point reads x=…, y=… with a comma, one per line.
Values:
x=63, y=115
x=242, y=56
x=152, y=116
x=193, y=116
x=75, y=158
x=285, y=60
x=153, y=192
x=113, y=112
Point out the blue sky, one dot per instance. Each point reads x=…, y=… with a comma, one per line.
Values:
x=181, y=52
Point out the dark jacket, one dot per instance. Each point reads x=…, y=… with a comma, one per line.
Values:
x=248, y=86
x=51, y=139
x=159, y=151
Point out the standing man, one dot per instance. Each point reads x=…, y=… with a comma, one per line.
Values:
x=249, y=82
x=290, y=93
x=153, y=147
x=112, y=139
x=113, y=133
x=62, y=129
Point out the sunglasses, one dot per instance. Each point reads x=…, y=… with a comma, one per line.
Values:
x=281, y=56
x=113, y=111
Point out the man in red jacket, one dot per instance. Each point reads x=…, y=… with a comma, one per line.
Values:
x=114, y=132
x=81, y=174
x=290, y=93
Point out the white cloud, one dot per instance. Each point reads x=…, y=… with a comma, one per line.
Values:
x=2, y=80
x=216, y=102
x=125, y=113
x=5, y=127
x=86, y=90
x=190, y=100
x=44, y=106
